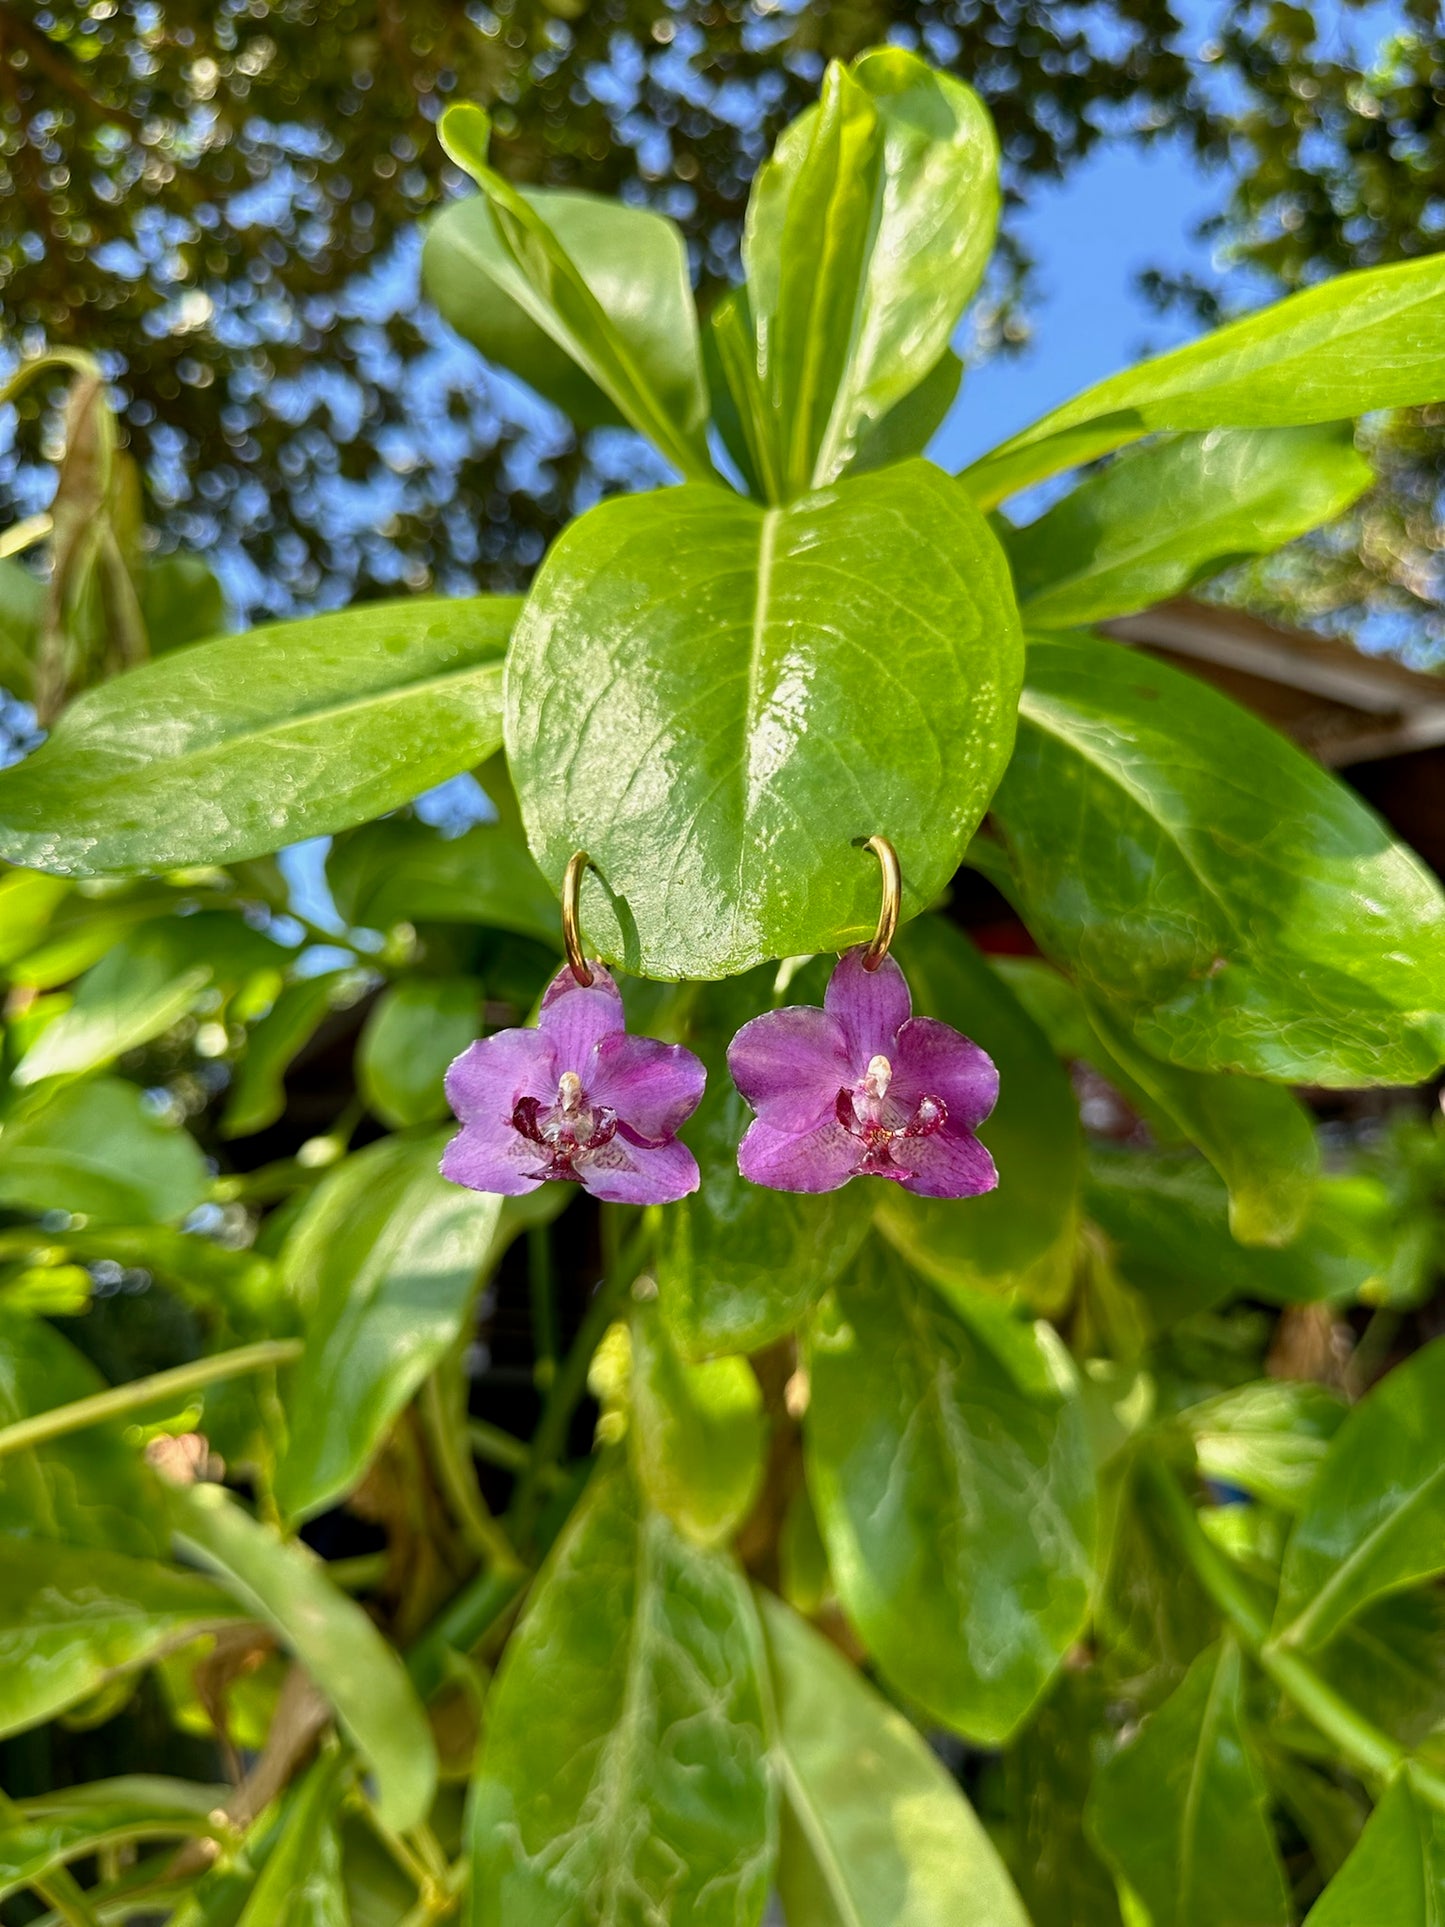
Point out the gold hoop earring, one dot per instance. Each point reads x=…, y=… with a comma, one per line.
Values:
x=892, y=901
x=571, y=928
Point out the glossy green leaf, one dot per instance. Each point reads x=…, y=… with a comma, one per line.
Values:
x=1375, y=1518
x=1231, y=903
x=875, y=1831
x=624, y=1773
x=1161, y=518
x=412, y=1033
x=1180, y=1812
x=632, y=261
x=1396, y=1875
x=957, y=1506
x=283, y=1585
x=642, y=353
x=1259, y=1137
x=301, y=1883
x=382, y=1265
x=401, y=871
x=43, y=1833
x=73, y=1618
x=1375, y=339
x=781, y=685
x=258, y=1096
x=737, y=1266
x=234, y=747
x=98, y=1149
x=1019, y=1239
x=1269, y=1438
x=867, y=232
x=696, y=1432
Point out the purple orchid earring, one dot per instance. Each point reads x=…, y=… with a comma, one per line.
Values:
x=862, y=1087
x=576, y=1099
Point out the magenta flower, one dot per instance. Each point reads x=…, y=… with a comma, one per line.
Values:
x=575, y=1099
x=862, y=1088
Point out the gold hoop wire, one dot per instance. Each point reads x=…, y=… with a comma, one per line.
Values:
x=892, y=901
x=571, y=928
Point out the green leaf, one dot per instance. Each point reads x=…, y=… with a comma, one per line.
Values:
x=234, y=747
x=1375, y=339
x=631, y=330
x=401, y=871
x=910, y=425
x=96, y=1148
x=283, y=1585
x=73, y=1618
x=382, y=1264
x=1269, y=1439
x=258, y=1096
x=22, y=606
x=1259, y=1137
x=781, y=685
x=1018, y=1239
x=301, y=1884
x=1047, y=1775
x=624, y=1773
x=1180, y=1812
x=45, y=1833
x=412, y=1033
x=696, y=1432
x=867, y=233
x=1390, y=1659
x=1161, y=518
x=1395, y=1877
x=875, y=1831
x=28, y=900
x=1374, y=1521
x=1221, y=895
x=181, y=602
x=957, y=1505
x=737, y=1266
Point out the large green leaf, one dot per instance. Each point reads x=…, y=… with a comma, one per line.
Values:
x=956, y=1503
x=624, y=1774
x=875, y=1831
x=412, y=1033
x=1163, y=517
x=867, y=232
x=1395, y=1876
x=47, y=1832
x=400, y=871
x=1180, y=1812
x=779, y=685
x=382, y=1265
x=737, y=1266
x=644, y=353
x=282, y=1584
x=235, y=747
x=633, y=262
x=1375, y=1517
x=1362, y=341
x=1234, y=905
x=96, y=1148
x=1018, y=1239
x=696, y=1431
x=74, y=1617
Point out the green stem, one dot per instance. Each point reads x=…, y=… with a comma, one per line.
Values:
x=59, y=1888
x=550, y=1440
x=445, y=1430
x=141, y=1392
x=495, y=1447
x=1362, y=1742
x=461, y=1625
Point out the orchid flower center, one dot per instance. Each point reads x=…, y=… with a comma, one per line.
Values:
x=869, y=1113
x=566, y=1129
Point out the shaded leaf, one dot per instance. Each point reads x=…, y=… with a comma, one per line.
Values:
x=300, y=1885
x=1395, y=1876
x=257, y=1095
x=401, y=871
x=412, y=1033
x=43, y=1833
x=96, y=1148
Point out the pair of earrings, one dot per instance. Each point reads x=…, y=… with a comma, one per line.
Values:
x=860, y=1088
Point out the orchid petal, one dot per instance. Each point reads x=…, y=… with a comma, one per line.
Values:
x=653, y=1088
x=935, y=1060
x=622, y=1173
x=819, y=1160
x=790, y=1066
x=574, y=1019
x=491, y=1074
x=871, y=1005
x=947, y=1164
x=489, y=1155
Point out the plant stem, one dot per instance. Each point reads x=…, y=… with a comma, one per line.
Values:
x=550, y=1439
x=496, y=1447
x=59, y=1888
x=140, y=1392
x=445, y=1430
x=462, y=1624
x=1362, y=1742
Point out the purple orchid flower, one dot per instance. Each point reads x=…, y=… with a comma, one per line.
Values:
x=575, y=1099
x=863, y=1088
